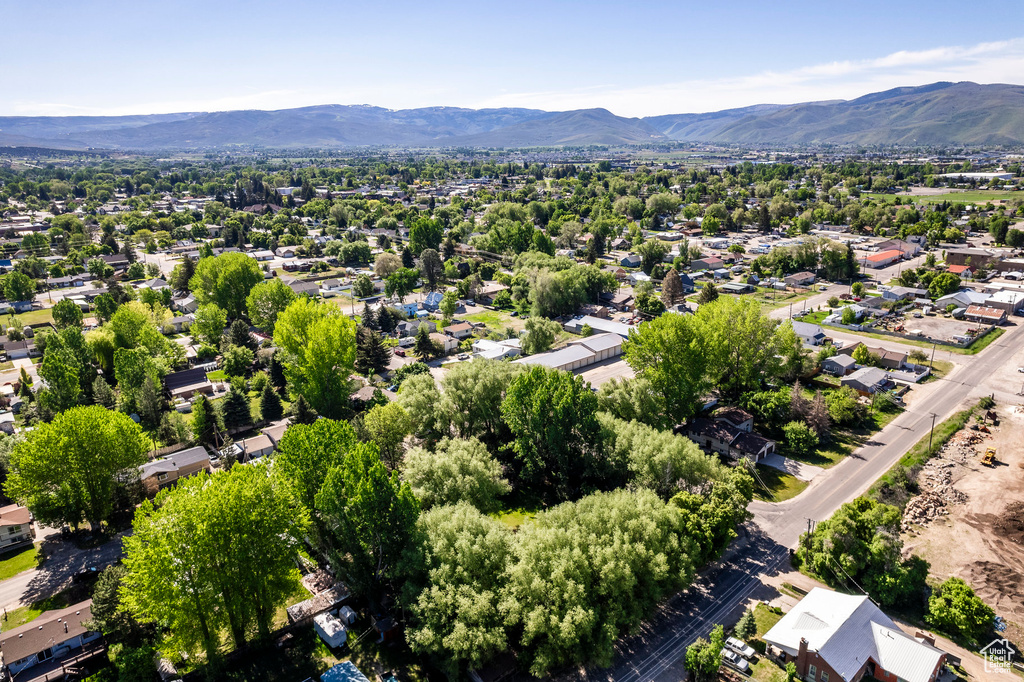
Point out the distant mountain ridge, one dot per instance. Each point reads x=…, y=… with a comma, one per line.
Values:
x=939, y=113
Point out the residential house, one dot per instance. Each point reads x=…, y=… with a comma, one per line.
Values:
x=618, y=272
x=637, y=277
x=730, y=433
x=117, y=261
x=630, y=260
x=899, y=293
x=255, y=447
x=433, y=301
x=161, y=473
x=810, y=334
x=707, y=263
x=408, y=309
x=262, y=255
x=833, y=637
x=407, y=328
x=16, y=527
x=687, y=282
x=800, y=279
x=962, y=271
x=311, y=289
x=838, y=365
x=51, y=636
x=187, y=383
x=985, y=315
x=459, y=330
x=887, y=359
x=868, y=380
x=445, y=342
x=881, y=259
x=497, y=350
x=489, y=292
x=185, y=304
x=619, y=301
x=17, y=350
x=594, y=310
x=285, y=252
x=597, y=324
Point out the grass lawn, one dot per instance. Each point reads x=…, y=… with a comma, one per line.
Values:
x=954, y=197
x=765, y=619
x=816, y=317
x=940, y=368
x=24, y=614
x=218, y=375
x=18, y=562
x=767, y=671
x=782, y=486
x=513, y=518
x=36, y=316
x=771, y=299
x=495, y=320
x=299, y=593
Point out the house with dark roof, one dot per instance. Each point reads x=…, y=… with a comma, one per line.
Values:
x=868, y=380
x=53, y=635
x=187, y=383
x=730, y=433
x=833, y=637
x=838, y=365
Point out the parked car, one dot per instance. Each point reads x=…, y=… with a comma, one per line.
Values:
x=86, y=575
x=739, y=647
x=735, y=661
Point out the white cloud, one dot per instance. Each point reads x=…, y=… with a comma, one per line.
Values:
x=996, y=62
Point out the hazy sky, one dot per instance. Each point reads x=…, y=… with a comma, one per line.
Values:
x=633, y=58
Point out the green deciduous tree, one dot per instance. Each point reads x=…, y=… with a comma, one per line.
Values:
x=266, y=301
x=567, y=587
x=553, y=419
x=18, y=287
x=319, y=346
x=226, y=280
x=308, y=451
x=67, y=314
x=455, y=588
x=540, y=335
x=66, y=471
x=457, y=471
x=801, y=441
x=214, y=554
x=387, y=426
x=704, y=657
x=370, y=516
x=237, y=361
x=954, y=608
x=208, y=324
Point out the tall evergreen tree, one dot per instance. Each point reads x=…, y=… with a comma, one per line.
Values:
x=183, y=273
x=708, y=294
x=386, y=321
x=304, y=414
x=372, y=356
x=150, y=403
x=236, y=410
x=408, y=260
x=277, y=373
x=368, y=318
x=239, y=335
x=204, y=421
x=270, y=404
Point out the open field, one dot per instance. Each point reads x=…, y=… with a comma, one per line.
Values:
x=954, y=196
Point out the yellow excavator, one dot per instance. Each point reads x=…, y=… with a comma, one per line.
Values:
x=989, y=458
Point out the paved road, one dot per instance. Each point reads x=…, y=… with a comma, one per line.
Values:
x=720, y=594
x=63, y=561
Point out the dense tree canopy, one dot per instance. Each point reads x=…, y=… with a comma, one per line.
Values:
x=226, y=280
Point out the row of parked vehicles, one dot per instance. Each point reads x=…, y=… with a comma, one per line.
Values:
x=735, y=655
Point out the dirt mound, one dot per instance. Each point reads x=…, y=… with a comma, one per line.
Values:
x=998, y=585
x=1010, y=524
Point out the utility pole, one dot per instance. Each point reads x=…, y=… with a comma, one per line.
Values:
x=931, y=433
x=932, y=361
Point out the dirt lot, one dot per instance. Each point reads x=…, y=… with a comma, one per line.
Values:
x=935, y=326
x=976, y=529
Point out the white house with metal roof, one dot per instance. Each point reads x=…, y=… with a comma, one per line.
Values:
x=833, y=637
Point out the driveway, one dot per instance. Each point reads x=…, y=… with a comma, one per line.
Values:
x=802, y=471
x=63, y=560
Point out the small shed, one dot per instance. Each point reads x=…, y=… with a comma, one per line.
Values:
x=331, y=630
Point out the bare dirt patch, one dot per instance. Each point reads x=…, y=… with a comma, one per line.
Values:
x=976, y=531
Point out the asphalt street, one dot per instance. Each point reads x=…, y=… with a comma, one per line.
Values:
x=721, y=592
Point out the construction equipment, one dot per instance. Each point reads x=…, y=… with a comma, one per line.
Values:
x=989, y=458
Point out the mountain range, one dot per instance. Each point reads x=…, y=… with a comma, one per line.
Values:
x=936, y=114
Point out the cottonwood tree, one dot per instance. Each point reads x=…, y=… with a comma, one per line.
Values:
x=387, y=426
x=67, y=471
x=319, y=346
x=540, y=335
x=369, y=516
x=208, y=324
x=553, y=419
x=214, y=554
x=308, y=451
x=226, y=280
x=67, y=314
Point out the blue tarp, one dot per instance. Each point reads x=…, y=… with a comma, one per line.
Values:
x=344, y=672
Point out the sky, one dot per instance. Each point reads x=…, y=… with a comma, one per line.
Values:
x=638, y=58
